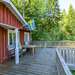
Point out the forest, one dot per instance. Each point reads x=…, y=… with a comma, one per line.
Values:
x=52, y=24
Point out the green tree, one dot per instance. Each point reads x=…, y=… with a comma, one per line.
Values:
x=67, y=24
x=71, y=23
x=46, y=14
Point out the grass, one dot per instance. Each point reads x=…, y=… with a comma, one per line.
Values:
x=73, y=72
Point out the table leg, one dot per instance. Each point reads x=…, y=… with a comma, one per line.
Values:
x=33, y=51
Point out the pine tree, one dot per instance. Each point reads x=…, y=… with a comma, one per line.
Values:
x=67, y=24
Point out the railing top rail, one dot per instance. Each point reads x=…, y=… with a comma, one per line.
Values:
x=65, y=46
x=66, y=69
x=53, y=41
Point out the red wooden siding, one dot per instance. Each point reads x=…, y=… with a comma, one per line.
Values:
x=3, y=45
x=7, y=17
x=22, y=37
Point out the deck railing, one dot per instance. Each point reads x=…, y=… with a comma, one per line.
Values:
x=54, y=43
x=62, y=67
x=66, y=48
x=65, y=54
x=68, y=54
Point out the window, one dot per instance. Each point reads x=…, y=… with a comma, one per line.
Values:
x=11, y=38
x=26, y=38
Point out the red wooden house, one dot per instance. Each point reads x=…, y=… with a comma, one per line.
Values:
x=13, y=30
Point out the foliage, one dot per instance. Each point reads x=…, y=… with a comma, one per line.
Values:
x=67, y=24
x=45, y=14
x=50, y=23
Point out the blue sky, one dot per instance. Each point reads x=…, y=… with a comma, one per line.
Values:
x=64, y=4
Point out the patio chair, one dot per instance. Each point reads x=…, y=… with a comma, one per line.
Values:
x=22, y=50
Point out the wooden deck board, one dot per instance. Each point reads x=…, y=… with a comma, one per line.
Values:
x=42, y=63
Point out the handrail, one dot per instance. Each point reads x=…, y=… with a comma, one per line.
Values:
x=54, y=43
x=61, y=65
x=68, y=53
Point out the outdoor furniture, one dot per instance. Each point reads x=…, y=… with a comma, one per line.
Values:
x=22, y=50
x=31, y=47
x=11, y=53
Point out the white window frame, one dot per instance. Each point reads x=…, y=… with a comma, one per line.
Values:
x=10, y=31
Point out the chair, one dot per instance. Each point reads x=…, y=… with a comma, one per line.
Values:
x=21, y=49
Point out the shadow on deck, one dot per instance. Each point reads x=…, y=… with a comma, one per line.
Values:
x=42, y=63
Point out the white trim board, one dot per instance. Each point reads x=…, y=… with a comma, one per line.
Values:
x=6, y=26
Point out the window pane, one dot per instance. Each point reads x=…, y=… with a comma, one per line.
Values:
x=14, y=39
x=26, y=36
x=10, y=38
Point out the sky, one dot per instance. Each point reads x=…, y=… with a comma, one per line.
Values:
x=64, y=4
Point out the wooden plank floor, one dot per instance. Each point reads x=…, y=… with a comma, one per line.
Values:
x=42, y=63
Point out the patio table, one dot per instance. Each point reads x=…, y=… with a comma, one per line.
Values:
x=32, y=47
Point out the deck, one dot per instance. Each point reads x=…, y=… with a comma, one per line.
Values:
x=42, y=63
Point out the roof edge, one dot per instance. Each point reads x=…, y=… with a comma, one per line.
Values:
x=14, y=10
